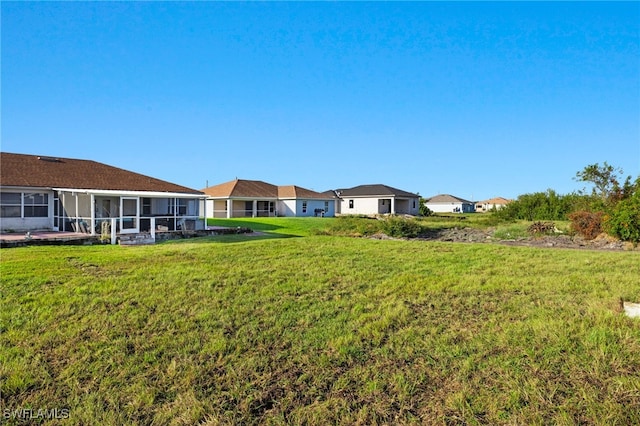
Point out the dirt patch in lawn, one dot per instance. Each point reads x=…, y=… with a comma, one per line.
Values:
x=472, y=235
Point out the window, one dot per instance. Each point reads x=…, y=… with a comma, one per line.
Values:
x=36, y=205
x=304, y=207
x=350, y=204
x=146, y=206
x=326, y=207
x=414, y=204
x=15, y=204
x=177, y=206
x=10, y=204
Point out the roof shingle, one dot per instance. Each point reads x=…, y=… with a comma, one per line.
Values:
x=242, y=188
x=446, y=198
x=374, y=190
x=52, y=172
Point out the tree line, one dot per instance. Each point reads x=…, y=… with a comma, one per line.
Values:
x=612, y=205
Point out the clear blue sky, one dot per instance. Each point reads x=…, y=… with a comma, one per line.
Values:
x=472, y=99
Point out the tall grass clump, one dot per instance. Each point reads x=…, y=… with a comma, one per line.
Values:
x=363, y=226
x=352, y=226
x=400, y=227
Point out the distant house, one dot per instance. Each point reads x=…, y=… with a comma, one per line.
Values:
x=254, y=198
x=445, y=203
x=375, y=199
x=494, y=203
x=66, y=194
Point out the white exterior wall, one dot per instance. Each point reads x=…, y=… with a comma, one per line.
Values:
x=287, y=208
x=442, y=207
x=360, y=206
x=19, y=224
x=450, y=207
x=416, y=209
x=485, y=207
x=375, y=206
x=23, y=224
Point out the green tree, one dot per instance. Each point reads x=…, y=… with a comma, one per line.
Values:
x=424, y=210
x=547, y=205
x=624, y=219
x=606, y=183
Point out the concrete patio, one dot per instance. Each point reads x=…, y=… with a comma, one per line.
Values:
x=17, y=239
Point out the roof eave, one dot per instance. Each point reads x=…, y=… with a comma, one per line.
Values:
x=133, y=193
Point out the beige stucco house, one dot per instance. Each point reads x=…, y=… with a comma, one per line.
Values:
x=254, y=198
x=495, y=203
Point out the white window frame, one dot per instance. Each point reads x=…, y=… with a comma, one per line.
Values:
x=136, y=228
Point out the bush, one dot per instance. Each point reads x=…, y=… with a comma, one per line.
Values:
x=588, y=224
x=539, y=206
x=624, y=220
x=399, y=227
x=424, y=210
x=353, y=226
x=393, y=226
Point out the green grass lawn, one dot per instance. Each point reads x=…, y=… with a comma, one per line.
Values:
x=280, y=226
x=319, y=330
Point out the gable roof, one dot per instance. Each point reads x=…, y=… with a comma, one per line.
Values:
x=447, y=198
x=242, y=188
x=376, y=190
x=52, y=172
x=495, y=200
x=293, y=191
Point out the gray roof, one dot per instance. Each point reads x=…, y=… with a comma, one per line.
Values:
x=447, y=198
x=377, y=190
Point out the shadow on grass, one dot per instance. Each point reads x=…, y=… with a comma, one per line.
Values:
x=234, y=223
x=231, y=238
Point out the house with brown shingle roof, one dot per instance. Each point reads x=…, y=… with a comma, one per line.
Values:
x=376, y=199
x=255, y=198
x=68, y=194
